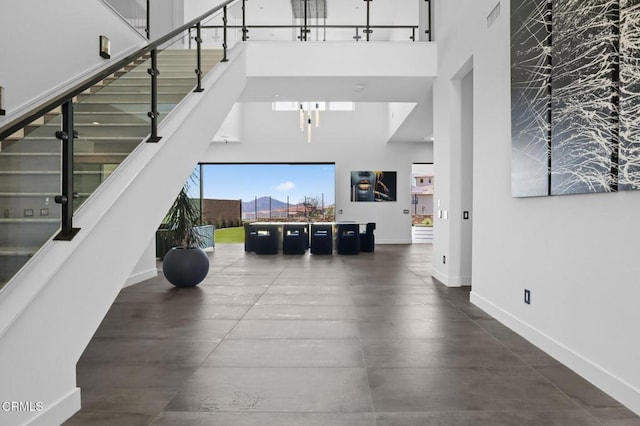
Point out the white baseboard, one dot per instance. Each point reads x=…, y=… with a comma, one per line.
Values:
x=59, y=411
x=450, y=281
x=440, y=276
x=616, y=387
x=140, y=276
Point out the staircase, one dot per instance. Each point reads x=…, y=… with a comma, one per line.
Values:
x=111, y=119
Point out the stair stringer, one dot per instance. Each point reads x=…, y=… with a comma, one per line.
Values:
x=53, y=306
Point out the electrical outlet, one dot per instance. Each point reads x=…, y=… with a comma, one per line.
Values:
x=28, y=212
x=527, y=296
x=444, y=259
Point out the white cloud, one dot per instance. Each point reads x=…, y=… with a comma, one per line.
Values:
x=285, y=186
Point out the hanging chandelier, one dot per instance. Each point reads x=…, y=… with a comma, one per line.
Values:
x=309, y=115
x=309, y=112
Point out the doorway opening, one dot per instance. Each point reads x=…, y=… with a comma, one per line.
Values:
x=422, y=184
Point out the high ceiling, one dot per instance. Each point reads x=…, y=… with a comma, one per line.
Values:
x=415, y=90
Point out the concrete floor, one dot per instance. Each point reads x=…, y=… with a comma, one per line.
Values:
x=322, y=340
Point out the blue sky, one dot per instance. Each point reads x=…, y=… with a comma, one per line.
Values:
x=246, y=181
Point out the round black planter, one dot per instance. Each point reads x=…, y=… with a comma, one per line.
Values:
x=185, y=267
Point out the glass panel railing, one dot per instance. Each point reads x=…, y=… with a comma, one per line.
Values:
x=111, y=119
x=234, y=21
x=332, y=33
x=30, y=179
x=177, y=63
x=334, y=21
x=133, y=11
x=111, y=122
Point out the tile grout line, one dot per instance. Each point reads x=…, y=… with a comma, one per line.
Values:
x=243, y=315
x=221, y=340
x=364, y=362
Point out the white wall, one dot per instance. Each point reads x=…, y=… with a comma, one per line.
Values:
x=39, y=51
x=385, y=59
x=353, y=140
x=195, y=8
x=146, y=266
x=398, y=113
x=466, y=179
x=231, y=129
x=577, y=254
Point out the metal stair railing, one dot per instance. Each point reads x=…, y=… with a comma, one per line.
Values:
x=76, y=139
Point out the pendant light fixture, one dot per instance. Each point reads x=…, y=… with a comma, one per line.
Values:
x=310, y=116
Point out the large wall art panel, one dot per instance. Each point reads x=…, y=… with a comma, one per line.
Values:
x=629, y=163
x=581, y=124
x=529, y=98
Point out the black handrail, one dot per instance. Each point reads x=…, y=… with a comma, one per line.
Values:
x=56, y=101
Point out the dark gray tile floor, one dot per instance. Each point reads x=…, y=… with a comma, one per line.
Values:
x=322, y=340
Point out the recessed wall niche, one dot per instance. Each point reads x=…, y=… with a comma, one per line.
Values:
x=575, y=68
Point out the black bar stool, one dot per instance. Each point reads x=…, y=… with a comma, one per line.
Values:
x=348, y=239
x=367, y=239
x=249, y=237
x=321, y=239
x=295, y=239
x=267, y=239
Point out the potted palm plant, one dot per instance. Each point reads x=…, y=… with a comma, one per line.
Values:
x=186, y=264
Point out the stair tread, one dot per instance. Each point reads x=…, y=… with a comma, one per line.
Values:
x=28, y=220
x=28, y=154
x=161, y=92
x=17, y=251
x=46, y=172
x=57, y=154
x=37, y=194
x=89, y=113
x=54, y=125
x=123, y=102
x=97, y=138
x=27, y=194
